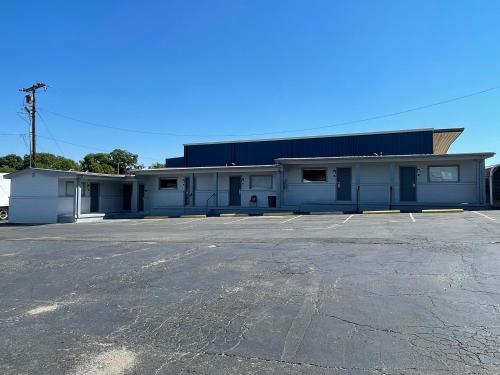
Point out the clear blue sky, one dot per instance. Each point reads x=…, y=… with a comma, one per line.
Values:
x=212, y=68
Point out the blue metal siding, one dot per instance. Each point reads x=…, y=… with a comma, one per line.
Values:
x=175, y=162
x=259, y=153
x=265, y=152
x=209, y=155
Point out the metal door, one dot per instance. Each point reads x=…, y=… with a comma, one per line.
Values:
x=407, y=184
x=344, y=184
x=127, y=197
x=235, y=191
x=140, y=203
x=94, y=197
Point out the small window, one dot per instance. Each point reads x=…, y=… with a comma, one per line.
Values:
x=443, y=174
x=70, y=188
x=314, y=175
x=83, y=186
x=261, y=182
x=168, y=183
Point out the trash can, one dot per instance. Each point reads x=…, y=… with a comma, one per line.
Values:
x=271, y=200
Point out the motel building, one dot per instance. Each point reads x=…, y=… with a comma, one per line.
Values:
x=406, y=170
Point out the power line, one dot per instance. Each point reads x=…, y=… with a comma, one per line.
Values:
x=88, y=147
x=50, y=133
x=345, y=123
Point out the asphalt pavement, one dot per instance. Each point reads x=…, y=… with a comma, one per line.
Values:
x=328, y=294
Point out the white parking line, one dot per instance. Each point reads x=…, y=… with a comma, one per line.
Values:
x=412, y=218
x=146, y=221
x=486, y=216
x=346, y=220
x=186, y=222
x=293, y=218
x=236, y=221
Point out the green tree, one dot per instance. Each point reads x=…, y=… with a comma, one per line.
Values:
x=157, y=165
x=50, y=161
x=98, y=163
x=123, y=159
x=11, y=163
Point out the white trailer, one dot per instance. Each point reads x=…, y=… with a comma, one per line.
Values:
x=4, y=197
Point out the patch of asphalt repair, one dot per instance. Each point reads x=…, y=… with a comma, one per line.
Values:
x=109, y=362
x=374, y=295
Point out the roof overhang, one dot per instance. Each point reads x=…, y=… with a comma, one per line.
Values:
x=442, y=139
x=219, y=169
x=68, y=174
x=385, y=159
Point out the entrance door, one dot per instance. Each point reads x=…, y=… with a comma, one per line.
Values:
x=407, y=184
x=94, y=197
x=235, y=190
x=187, y=191
x=127, y=197
x=140, y=203
x=344, y=185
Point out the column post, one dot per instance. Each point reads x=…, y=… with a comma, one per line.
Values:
x=77, y=199
x=135, y=195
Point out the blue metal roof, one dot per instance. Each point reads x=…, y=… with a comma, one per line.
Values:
x=264, y=152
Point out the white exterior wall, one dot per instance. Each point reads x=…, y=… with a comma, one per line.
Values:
x=375, y=180
x=34, y=199
x=466, y=190
x=246, y=191
x=205, y=188
x=65, y=204
x=158, y=200
x=296, y=192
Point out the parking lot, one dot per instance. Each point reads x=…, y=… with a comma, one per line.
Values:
x=300, y=294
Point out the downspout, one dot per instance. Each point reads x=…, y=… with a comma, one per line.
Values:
x=280, y=183
x=492, y=175
x=217, y=189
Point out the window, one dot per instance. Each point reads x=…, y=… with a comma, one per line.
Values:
x=168, y=183
x=314, y=175
x=84, y=189
x=443, y=174
x=261, y=182
x=70, y=189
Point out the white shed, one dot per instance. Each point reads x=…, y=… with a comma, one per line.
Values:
x=41, y=196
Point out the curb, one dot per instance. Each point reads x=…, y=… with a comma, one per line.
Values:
x=440, y=211
x=192, y=216
x=233, y=215
x=326, y=213
x=284, y=213
x=381, y=212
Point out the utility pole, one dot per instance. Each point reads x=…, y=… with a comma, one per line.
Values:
x=30, y=99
